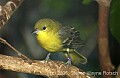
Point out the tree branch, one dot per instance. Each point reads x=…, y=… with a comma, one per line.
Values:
x=118, y=70
x=51, y=69
x=104, y=55
x=7, y=10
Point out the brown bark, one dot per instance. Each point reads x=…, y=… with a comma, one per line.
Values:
x=103, y=45
x=50, y=69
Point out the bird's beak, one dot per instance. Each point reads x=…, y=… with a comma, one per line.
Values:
x=35, y=31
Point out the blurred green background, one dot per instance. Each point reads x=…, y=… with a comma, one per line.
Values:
x=81, y=14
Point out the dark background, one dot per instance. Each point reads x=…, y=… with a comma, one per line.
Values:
x=74, y=13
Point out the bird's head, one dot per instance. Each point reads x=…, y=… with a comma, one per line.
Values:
x=47, y=25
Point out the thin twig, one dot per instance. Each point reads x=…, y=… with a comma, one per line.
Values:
x=15, y=50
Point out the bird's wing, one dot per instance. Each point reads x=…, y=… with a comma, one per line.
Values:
x=70, y=37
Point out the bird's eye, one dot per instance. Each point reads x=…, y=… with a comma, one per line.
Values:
x=44, y=28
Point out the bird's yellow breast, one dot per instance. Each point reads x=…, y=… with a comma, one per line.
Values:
x=49, y=41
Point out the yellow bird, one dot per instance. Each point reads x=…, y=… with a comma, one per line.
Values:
x=54, y=37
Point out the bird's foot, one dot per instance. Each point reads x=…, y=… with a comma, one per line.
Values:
x=47, y=58
x=68, y=62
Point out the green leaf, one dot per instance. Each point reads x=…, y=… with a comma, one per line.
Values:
x=87, y=2
x=115, y=19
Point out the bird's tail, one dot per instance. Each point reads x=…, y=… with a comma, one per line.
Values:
x=76, y=57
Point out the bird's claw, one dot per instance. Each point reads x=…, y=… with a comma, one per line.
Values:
x=47, y=58
x=68, y=62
